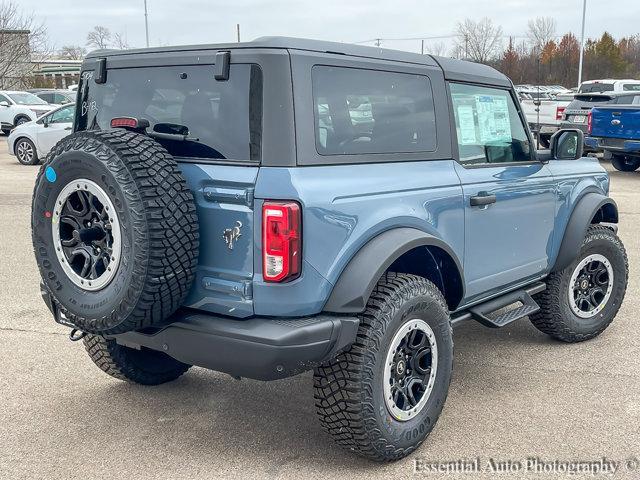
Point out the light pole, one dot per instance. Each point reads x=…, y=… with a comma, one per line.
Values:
x=584, y=11
x=146, y=22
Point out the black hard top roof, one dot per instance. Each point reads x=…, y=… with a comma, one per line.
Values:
x=453, y=69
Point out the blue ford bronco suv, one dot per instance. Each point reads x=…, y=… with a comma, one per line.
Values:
x=284, y=205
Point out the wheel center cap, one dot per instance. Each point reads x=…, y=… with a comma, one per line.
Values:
x=400, y=367
x=584, y=284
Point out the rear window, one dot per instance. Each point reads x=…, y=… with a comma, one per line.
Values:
x=361, y=111
x=596, y=87
x=221, y=119
x=593, y=98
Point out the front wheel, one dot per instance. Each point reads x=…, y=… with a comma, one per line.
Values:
x=582, y=300
x=26, y=152
x=383, y=396
x=625, y=163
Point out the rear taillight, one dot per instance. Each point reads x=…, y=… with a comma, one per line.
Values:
x=559, y=113
x=589, y=123
x=281, y=241
x=128, y=122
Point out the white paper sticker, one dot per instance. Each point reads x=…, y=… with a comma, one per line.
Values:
x=493, y=119
x=466, y=126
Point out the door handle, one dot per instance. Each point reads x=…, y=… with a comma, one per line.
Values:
x=482, y=198
x=69, y=128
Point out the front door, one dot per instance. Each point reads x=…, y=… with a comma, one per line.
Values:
x=56, y=125
x=509, y=196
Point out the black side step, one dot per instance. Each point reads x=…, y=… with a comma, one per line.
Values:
x=482, y=312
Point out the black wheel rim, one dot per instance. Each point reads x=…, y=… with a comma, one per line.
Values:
x=591, y=286
x=410, y=369
x=86, y=232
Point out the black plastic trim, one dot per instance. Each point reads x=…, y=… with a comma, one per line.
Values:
x=260, y=348
x=352, y=290
x=579, y=222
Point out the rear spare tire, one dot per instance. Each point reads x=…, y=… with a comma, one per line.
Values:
x=114, y=230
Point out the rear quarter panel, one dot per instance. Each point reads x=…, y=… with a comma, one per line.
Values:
x=344, y=207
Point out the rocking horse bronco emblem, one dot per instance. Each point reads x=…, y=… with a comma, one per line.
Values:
x=230, y=235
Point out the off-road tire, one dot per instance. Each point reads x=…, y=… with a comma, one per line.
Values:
x=349, y=389
x=144, y=366
x=625, y=163
x=159, y=230
x=555, y=317
x=34, y=160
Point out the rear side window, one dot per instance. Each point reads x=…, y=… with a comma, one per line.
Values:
x=361, y=111
x=488, y=126
x=221, y=119
x=631, y=87
x=596, y=87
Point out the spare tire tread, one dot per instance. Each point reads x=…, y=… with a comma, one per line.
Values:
x=163, y=213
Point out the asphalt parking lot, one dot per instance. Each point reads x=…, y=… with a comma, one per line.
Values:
x=515, y=393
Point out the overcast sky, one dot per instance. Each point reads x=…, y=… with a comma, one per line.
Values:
x=173, y=22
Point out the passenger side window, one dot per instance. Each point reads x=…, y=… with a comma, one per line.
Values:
x=361, y=111
x=47, y=97
x=4, y=99
x=488, y=127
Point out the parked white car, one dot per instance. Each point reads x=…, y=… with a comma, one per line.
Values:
x=609, y=85
x=544, y=115
x=17, y=108
x=32, y=141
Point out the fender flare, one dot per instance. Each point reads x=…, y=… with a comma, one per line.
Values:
x=581, y=217
x=356, y=282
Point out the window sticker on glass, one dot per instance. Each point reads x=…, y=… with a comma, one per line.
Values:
x=493, y=118
x=466, y=125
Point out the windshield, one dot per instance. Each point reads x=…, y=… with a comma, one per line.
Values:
x=189, y=112
x=596, y=87
x=631, y=87
x=25, y=98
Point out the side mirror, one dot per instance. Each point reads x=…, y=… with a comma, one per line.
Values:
x=567, y=144
x=4, y=103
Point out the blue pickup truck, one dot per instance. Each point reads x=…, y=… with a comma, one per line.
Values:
x=616, y=131
x=283, y=205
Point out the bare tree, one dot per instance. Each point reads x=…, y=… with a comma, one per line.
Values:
x=437, y=48
x=478, y=41
x=540, y=32
x=72, y=52
x=99, y=37
x=120, y=42
x=22, y=42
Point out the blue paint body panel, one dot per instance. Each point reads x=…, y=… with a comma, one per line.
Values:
x=511, y=242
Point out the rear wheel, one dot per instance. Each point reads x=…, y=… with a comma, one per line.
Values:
x=383, y=396
x=144, y=366
x=625, y=163
x=26, y=152
x=583, y=299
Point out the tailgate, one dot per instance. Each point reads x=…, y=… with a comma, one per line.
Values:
x=224, y=203
x=616, y=122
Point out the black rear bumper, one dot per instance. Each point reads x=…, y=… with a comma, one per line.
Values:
x=259, y=348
